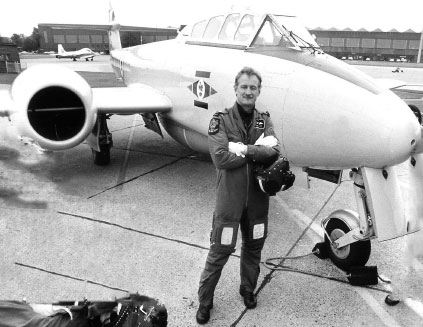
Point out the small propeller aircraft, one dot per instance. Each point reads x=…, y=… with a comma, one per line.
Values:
x=85, y=53
x=328, y=115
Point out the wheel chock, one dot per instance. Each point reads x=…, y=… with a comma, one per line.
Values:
x=320, y=250
x=363, y=275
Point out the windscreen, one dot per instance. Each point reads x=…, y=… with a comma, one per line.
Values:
x=299, y=32
x=270, y=36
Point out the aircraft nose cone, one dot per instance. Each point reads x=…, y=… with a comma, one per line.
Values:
x=360, y=129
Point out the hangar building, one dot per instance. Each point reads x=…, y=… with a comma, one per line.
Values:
x=76, y=36
x=375, y=45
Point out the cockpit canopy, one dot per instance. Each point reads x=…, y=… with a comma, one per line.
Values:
x=246, y=30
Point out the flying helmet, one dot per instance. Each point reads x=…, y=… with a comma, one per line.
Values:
x=274, y=177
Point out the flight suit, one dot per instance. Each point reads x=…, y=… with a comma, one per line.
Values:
x=239, y=199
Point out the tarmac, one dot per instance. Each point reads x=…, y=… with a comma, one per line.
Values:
x=71, y=230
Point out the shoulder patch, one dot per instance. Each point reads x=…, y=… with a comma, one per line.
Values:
x=259, y=124
x=214, y=125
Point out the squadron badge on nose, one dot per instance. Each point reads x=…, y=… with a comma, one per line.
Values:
x=201, y=89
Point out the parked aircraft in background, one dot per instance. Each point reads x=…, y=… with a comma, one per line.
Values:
x=85, y=53
x=328, y=115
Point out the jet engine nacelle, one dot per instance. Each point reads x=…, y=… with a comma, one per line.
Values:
x=53, y=106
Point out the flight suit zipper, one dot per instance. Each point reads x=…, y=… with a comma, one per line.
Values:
x=247, y=129
x=248, y=185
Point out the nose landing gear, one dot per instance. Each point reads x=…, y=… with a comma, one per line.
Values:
x=348, y=234
x=100, y=141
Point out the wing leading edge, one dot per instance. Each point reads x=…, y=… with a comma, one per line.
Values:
x=134, y=99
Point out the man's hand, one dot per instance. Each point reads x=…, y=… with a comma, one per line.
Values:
x=239, y=148
x=267, y=141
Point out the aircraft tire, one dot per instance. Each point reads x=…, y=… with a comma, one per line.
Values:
x=355, y=254
x=102, y=157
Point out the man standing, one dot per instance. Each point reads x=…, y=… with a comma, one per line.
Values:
x=240, y=202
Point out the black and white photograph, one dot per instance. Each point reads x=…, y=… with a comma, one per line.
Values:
x=225, y=164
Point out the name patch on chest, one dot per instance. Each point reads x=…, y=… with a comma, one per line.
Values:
x=259, y=124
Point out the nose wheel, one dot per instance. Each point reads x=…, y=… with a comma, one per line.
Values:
x=354, y=254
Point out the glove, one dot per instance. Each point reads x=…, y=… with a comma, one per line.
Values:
x=238, y=148
x=267, y=141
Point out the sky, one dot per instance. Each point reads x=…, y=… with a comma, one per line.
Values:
x=21, y=17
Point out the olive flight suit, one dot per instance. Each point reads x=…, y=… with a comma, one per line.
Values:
x=239, y=199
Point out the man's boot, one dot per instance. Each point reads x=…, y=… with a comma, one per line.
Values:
x=203, y=313
x=250, y=300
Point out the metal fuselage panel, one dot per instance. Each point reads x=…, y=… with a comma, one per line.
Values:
x=327, y=114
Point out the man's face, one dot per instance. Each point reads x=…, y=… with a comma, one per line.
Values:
x=247, y=91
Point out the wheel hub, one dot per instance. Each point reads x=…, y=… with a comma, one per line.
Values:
x=343, y=252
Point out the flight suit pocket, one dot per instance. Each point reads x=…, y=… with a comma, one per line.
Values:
x=257, y=230
x=225, y=235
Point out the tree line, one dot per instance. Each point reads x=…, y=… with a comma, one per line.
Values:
x=32, y=42
x=27, y=43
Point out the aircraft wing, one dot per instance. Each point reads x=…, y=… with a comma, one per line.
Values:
x=85, y=56
x=63, y=56
x=390, y=83
x=29, y=105
x=134, y=99
x=411, y=94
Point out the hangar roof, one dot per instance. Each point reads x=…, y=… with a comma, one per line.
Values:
x=359, y=30
x=104, y=27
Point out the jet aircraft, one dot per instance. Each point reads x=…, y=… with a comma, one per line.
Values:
x=85, y=53
x=328, y=115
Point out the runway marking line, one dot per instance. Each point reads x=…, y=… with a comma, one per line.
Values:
x=138, y=176
x=70, y=277
x=124, y=166
x=130, y=229
x=415, y=305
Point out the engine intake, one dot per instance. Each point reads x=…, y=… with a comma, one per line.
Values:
x=53, y=118
x=53, y=106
